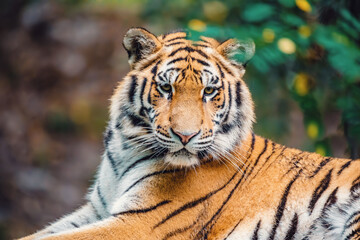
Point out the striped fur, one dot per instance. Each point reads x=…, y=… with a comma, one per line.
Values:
x=181, y=161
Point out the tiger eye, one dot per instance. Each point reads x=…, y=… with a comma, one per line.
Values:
x=208, y=90
x=166, y=87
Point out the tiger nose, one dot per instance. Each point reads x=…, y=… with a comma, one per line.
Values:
x=185, y=138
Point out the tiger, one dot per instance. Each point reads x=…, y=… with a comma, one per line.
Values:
x=181, y=160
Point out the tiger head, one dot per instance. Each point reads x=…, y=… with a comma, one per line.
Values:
x=182, y=100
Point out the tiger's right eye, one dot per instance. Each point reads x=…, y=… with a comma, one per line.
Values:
x=166, y=87
x=209, y=90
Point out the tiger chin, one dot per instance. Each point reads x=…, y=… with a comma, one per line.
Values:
x=181, y=160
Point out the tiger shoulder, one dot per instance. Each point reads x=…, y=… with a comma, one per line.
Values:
x=181, y=160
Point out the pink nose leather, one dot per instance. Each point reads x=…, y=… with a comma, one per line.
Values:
x=185, y=138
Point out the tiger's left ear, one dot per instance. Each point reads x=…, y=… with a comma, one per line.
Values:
x=139, y=44
x=237, y=51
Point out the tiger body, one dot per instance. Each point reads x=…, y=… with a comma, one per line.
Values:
x=181, y=161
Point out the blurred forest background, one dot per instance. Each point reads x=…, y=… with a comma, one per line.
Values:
x=60, y=60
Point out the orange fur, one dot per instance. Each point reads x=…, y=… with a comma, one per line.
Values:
x=254, y=196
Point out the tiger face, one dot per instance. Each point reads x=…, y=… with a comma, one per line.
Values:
x=183, y=100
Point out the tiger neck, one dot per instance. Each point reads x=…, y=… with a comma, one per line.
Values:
x=240, y=156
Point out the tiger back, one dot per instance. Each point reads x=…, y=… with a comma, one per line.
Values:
x=182, y=162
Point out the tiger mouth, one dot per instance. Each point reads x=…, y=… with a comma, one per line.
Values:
x=183, y=152
x=182, y=158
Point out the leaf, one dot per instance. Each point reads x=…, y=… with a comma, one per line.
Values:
x=292, y=19
x=258, y=12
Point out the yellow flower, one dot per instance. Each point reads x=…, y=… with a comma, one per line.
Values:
x=215, y=11
x=301, y=84
x=340, y=38
x=321, y=150
x=312, y=130
x=304, y=31
x=303, y=5
x=286, y=45
x=268, y=35
x=197, y=25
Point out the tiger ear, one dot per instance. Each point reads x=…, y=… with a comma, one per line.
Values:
x=139, y=44
x=239, y=51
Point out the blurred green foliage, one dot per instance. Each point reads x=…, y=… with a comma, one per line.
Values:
x=306, y=50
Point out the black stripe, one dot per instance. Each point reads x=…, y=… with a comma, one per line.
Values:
x=201, y=62
x=354, y=233
x=331, y=199
x=230, y=102
x=233, y=229
x=118, y=123
x=74, y=224
x=107, y=137
x=320, y=189
x=189, y=49
x=238, y=94
x=268, y=157
x=150, y=63
x=143, y=210
x=321, y=165
x=101, y=197
x=180, y=230
x=177, y=38
x=356, y=220
x=154, y=69
x=226, y=127
x=224, y=67
x=176, y=60
x=144, y=159
x=357, y=179
x=220, y=70
x=343, y=167
x=203, y=40
x=137, y=121
x=200, y=45
x=266, y=160
x=293, y=228
x=353, y=222
x=175, y=43
x=142, y=109
x=256, y=231
x=266, y=141
x=201, y=53
x=204, y=231
x=194, y=203
x=97, y=215
x=132, y=89
x=281, y=207
x=149, y=93
x=252, y=143
x=150, y=175
x=355, y=187
x=112, y=162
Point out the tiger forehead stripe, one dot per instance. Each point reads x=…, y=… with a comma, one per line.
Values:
x=174, y=36
x=189, y=49
x=175, y=43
